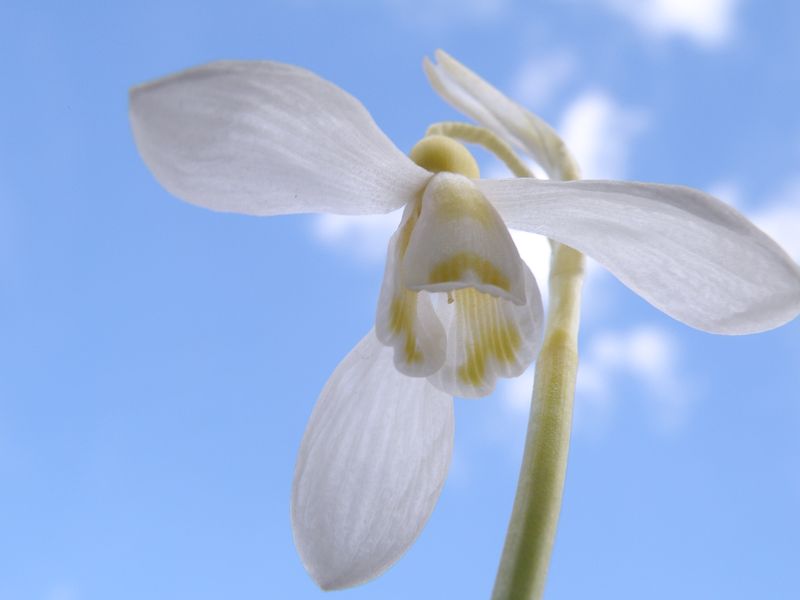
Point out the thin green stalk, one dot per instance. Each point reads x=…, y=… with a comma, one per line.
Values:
x=475, y=134
x=531, y=532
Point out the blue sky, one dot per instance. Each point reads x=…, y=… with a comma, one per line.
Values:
x=158, y=362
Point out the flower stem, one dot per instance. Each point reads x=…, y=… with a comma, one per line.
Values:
x=531, y=532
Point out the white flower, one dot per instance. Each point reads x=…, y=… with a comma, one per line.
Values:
x=457, y=307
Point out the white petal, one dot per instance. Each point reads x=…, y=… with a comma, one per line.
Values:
x=460, y=241
x=405, y=319
x=487, y=338
x=266, y=138
x=470, y=94
x=372, y=463
x=690, y=255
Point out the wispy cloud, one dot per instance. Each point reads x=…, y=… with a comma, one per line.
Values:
x=708, y=23
x=645, y=354
x=517, y=392
x=539, y=80
x=728, y=191
x=780, y=217
x=600, y=132
x=363, y=238
x=535, y=251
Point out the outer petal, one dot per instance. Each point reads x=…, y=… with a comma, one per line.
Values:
x=405, y=319
x=488, y=337
x=370, y=468
x=266, y=138
x=473, y=96
x=692, y=256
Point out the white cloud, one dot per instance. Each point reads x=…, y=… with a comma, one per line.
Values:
x=645, y=350
x=727, y=191
x=517, y=392
x=365, y=238
x=539, y=80
x=709, y=23
x=535, y=251
x=780, y=218
x=782, y=222
x=645, y=354
x=599, y=132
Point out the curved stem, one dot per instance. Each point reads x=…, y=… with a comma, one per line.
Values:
x=532, y=529
x=485, y=137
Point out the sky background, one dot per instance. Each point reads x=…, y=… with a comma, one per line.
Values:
x=158, y=362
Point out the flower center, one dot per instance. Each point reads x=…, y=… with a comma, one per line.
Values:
x=457, y=304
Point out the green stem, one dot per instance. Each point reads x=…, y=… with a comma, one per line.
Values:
x=531, y=532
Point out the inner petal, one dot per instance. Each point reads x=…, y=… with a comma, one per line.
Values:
x=459, y=241
x=487, y=337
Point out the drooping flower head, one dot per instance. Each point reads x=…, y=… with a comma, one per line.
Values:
x=457, y=308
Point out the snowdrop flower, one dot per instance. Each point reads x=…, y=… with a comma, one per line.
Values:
x=457, y=308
